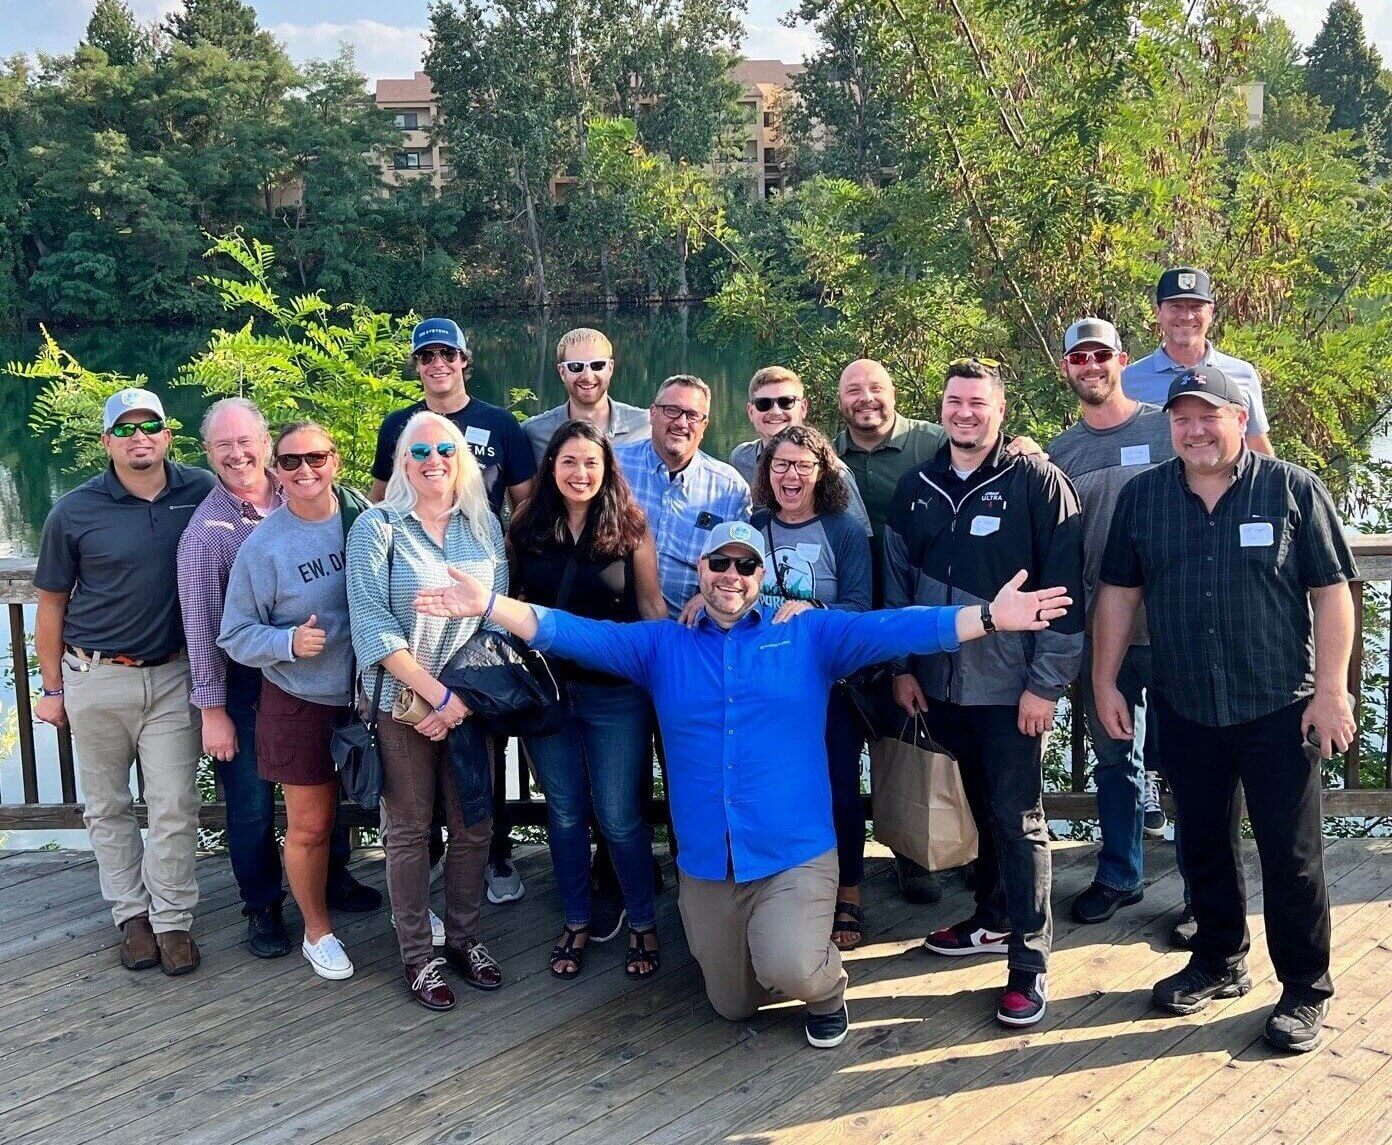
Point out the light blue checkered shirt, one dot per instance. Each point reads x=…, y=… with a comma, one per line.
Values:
x=682, y=509
x=1148, y=380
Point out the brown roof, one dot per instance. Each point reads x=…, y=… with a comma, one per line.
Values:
x=417, y=89
x=775, y=72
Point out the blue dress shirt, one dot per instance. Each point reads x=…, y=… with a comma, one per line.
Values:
x=1149, y=378
x=743, y=718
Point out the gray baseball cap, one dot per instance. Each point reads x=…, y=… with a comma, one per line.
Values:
x=735, y=533
x=1097, y=330
x=124, y=401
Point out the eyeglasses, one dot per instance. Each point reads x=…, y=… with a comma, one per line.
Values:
x=594, y=367
x=1083, y=357
x=127, y=428
x=420, y=451
x=447, y=354
x=783, y=464
x=676, y=413
x=745, y=566
x=786, y=402
x=989, y=363
x=315, y=460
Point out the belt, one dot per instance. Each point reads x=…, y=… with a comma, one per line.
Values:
x=122, y=659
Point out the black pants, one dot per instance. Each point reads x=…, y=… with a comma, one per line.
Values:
x=1002, y=771
x=501, y=845
x=845, y=739
x=1282, y=786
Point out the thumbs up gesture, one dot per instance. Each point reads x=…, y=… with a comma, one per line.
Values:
x=308, y=639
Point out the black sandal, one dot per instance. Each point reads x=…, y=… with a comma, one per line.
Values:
x=567, y=951
x=640, y=953
x=852, y=925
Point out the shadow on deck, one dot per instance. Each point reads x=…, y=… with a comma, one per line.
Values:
x=248, y=1050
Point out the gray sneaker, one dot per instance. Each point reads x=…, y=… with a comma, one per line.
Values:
x=1154, y=817
x=504, y=883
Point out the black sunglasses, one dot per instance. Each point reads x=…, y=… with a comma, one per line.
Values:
x=128, y=428
x=745, y=566
x=786, y=402
x=315, y=460
x=594, y=367
x=448, y=354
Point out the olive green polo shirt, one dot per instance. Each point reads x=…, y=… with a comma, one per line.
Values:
x=877, y=472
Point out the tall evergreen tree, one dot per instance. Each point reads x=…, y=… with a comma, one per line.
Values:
x=1343, y=71
x=226, y=24
x=113, y=29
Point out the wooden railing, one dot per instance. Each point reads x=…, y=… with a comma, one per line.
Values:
x=24, y=810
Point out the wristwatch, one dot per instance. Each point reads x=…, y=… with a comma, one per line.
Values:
x=986, y=622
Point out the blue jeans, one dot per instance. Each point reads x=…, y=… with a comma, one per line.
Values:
x=251, y=840
x=598, y=760
x=1120, y=774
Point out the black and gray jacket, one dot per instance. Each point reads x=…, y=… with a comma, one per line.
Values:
x=950, y=541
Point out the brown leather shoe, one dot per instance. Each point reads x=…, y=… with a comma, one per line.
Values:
x=429, y=989
x=475, y=965
x=178, y=952
x=138, y=949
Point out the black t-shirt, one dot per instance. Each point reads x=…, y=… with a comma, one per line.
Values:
x=500, y=447
x=602, y=588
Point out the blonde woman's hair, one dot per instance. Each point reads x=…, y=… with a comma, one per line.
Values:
x=578, y=337
x=470, y=497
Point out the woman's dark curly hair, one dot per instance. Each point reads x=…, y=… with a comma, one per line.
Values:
x=829, y=495
x=616, y=523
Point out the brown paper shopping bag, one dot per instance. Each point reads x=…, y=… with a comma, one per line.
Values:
x=918, y=801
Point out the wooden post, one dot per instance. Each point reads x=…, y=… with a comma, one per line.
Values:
x=19, y=658
x=1353, y=757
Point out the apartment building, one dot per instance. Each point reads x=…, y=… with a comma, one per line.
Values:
x=414, y=110
x=765, y=85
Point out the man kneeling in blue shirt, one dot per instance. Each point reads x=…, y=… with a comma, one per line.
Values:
x=742, y=704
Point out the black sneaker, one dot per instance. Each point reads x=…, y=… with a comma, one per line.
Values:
x=347, y=894
x=607, y=916
x=1182, y=935
x=1154, y=821
x=1098, y=903
x=824, y=1031
x=266, y=933
x=1295, y=1025
x=1196, y=986
x=1024, y=1000
x=916, y=884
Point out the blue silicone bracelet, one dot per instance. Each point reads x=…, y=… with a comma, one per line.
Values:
x=440, y=707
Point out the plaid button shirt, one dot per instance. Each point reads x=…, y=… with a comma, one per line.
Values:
x=682, y=509
x=206, y=551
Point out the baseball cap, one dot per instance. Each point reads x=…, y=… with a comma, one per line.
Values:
x=438, y=332
x=735, y=533
x=1097, y=330
x=1184, y=282
x=1209, y=383
x=123, y=401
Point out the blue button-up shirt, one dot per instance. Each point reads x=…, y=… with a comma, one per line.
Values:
x=682, y=509
x=1148, y=380
x=743, y=718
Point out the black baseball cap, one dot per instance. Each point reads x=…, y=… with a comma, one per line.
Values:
x=1184, y=282
x=1208, y=383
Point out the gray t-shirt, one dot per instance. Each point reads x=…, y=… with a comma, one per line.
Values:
x=825, y=559
x=1099, y=462
x=626, y=423
x=285, y=572
x=745, y=458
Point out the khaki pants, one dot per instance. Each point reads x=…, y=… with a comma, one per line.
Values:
x=766, y=938
x=117, y=713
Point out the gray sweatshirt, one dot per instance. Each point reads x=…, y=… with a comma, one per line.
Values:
x=286, y=571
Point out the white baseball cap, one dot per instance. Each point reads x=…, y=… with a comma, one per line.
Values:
x=124, y=401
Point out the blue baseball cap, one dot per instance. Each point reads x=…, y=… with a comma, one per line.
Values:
x=735, y=533
x=438, y=332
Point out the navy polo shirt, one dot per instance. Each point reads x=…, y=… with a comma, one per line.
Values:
x=116, y=555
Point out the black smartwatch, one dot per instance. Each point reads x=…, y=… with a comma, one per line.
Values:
x=986, y=622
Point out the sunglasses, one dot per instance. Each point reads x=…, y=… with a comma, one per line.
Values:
x=420, y=451
x=594, y=367
x=745, y=566
x=315, y=460
x=763, y=405
x=127, y=428
x=783, y=464
x=448, y=354
x=676, y=413
x=1083, y=357
x=989, y=363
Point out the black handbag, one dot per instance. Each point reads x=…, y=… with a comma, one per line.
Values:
x=508, y=686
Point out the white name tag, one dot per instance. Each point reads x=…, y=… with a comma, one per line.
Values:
x=1135, y=454
x=1256, y=534
x=984, y=526
x=810, y=553
x=476, y=436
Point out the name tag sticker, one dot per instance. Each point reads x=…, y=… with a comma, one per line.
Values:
x=1256, y=534
x=984, y=526
x=1135, y=454
x=476, y=435
x=810, y=553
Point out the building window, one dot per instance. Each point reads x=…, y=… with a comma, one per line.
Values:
x=768, y=119
x=407, y=120
x=771, y=156
x=411, y=161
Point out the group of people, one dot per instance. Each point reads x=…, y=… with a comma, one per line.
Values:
x=724, y=614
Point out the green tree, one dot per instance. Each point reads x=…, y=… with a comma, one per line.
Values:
x=113, y=30
x=1343, y=71
x=227, y=24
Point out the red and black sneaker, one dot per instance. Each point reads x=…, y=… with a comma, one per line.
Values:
x=1024, y=1000
x=968, y=937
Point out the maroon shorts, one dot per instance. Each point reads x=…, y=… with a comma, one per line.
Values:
x=292, y=738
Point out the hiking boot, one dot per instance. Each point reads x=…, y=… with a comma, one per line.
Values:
x=1296, y=1025
x=178, y=952
x=1196, y=986
x=138, y=948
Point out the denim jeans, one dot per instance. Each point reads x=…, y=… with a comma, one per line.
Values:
x=251, y=840
x=597, y=761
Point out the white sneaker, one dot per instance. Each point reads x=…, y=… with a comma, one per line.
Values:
x=328, y=958
x=437, y=929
